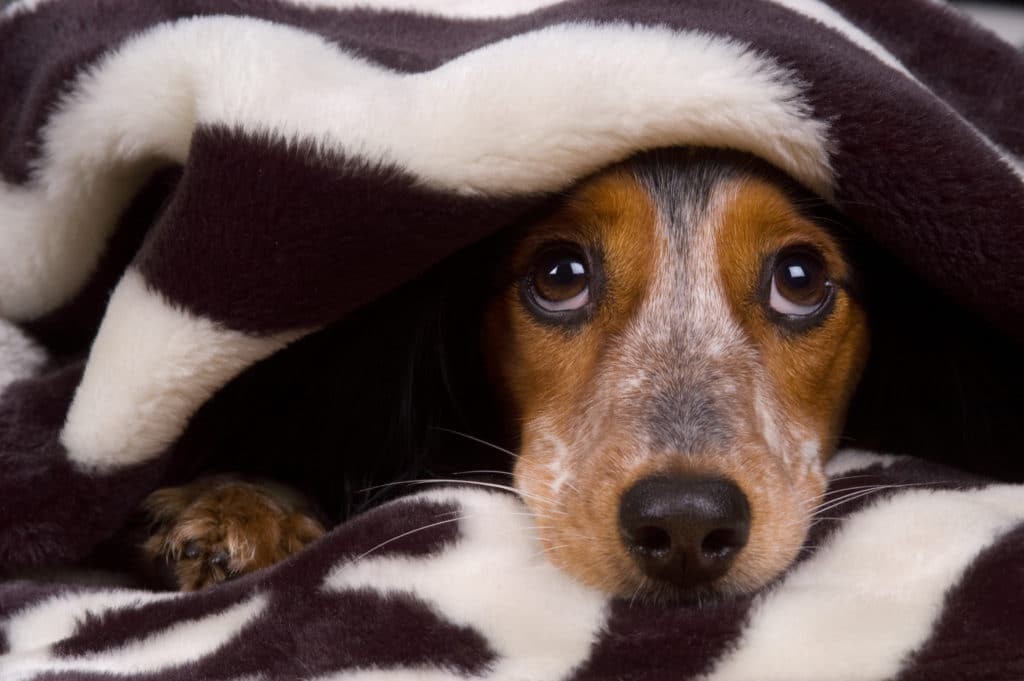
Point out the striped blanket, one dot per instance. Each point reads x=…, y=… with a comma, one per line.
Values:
x=918, y=576
x=189, y=186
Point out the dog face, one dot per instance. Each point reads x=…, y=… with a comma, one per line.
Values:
x=679, y=343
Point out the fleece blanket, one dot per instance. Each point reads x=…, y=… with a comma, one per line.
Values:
x=316, y=154
x=916, y=573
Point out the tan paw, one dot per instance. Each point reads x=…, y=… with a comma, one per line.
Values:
x=216, y=529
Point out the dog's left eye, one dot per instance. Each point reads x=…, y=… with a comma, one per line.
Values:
x=800, y=285
x=561, y=279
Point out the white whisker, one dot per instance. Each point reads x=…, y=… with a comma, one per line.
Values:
x=479, y=440
x=404, y=534
x=493, y=485
x=857, y=492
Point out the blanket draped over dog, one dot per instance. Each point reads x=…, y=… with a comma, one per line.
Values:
x=320, y=153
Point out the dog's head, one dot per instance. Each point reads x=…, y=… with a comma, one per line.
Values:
x=679, y=343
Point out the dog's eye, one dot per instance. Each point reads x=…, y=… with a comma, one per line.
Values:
x=800, y=285
x=561, y=279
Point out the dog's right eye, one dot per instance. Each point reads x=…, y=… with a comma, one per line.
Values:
x=560, y=279
x=800, y=289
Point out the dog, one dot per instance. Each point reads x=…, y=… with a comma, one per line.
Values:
x=671, y=347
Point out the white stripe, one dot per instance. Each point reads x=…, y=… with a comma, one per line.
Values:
x=20, y=357
x=529, y=113
x=404, y=674
x=51, y=236
x=55, y=619
x=151, y=366
x=871, y=596
x=183, y=642
x=539, y=621
x=20, y=7
x=456, y=9
x=1006, y=22
x=851, y=460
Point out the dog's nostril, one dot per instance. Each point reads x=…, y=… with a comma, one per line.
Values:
x=683, y=529
x=722, y=541
x=650, y=539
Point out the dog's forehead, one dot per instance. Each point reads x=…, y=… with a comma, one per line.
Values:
x=691, y=348
x=685, y=293
x=682, y=188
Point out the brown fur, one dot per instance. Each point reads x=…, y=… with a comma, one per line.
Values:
x=815, y=372
x=541, y=368
x=232, y=527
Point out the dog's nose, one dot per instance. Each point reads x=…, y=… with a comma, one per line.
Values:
x=684, y=530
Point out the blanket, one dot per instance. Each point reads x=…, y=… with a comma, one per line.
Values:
x=188, y=188
x=917, y=573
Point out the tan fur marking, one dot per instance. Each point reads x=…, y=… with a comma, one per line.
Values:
x=548, y=372
x=544, y=368
x=816, y=371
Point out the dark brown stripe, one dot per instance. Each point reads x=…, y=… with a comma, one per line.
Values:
x=266, y=237
x=51, y=512
x=980, y=632
x=648, y=642
x=983, y=82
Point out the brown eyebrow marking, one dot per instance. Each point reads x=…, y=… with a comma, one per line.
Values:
x=815, y=371
x=539, y=364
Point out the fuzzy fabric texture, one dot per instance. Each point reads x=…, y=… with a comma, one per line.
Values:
x=919, y=577
x=189, y=187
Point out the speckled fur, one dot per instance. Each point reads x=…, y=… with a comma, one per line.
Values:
x=681, y=382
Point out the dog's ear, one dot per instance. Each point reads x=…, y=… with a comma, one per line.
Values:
x=298, y=530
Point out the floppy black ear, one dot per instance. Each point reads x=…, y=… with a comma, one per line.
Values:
x=940, y=384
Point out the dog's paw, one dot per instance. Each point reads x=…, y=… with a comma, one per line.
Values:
x=216, y=529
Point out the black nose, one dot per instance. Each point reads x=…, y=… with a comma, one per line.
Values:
x=684, y=530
